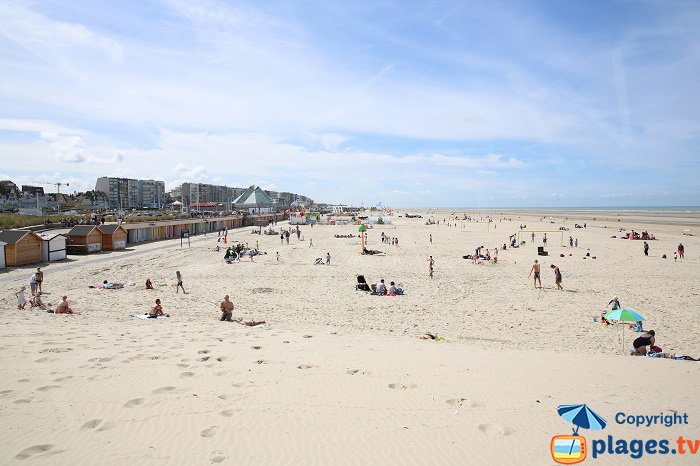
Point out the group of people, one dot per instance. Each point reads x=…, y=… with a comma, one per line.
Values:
x=386, y=239
x=536, y=271
x=380, y=288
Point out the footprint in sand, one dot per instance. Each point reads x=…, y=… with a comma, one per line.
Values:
x=209, y=433
x=224, y=397
x=218, y=457
x=5, y=392
x=306, y=366
x=22, y=401
x=256, y=347
x=205, y=358
x=45, y=359
x=33, y=451
x=46, y=388
x=357, y=371
x=183, y=365
x=186, y=375
x=134, y=402
x=222, y=358
x=460, y=403
x=24, y=380
x=97, y=424
x=493, y=430
x=206, y=351
x=63, y=379
x=160, y=390
x=226, y=413
x=402, y=386
x=90, y=425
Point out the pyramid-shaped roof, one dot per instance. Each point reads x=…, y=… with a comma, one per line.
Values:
x=254, y=196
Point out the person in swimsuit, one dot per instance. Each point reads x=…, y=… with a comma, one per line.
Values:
x=64, y=308
x=557, y=276
x=179, y=283
x=226, y=309
x=157, y=311
x=536, y=270
x=431, y=262
x=640, y=344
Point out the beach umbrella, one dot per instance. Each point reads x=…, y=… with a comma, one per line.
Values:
x=581, y=416
x=624, y=315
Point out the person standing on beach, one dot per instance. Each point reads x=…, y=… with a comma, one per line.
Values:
x=179, y=283
x=328, y=258
x=281, y=238
x=681, y=251
x=21, y=300
x=646, y=248
x=536, y=270
x=311, y=242
x=544, y=239
x=39, y=279
x=576, y=242
x=532, y=236
x=431, y=263
x=32, y=284
x=431, y=239
x=557, y=276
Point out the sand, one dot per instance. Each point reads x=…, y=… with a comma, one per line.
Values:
x=337, y=376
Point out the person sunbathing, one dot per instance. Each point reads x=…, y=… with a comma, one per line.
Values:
x=157, y=311
x=149, y=284
x=248, y=323
x=64, y=308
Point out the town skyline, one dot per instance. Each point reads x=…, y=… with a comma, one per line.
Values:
x=412, y=104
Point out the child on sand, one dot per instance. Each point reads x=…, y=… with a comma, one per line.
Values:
x=21, y=300
x=157, y=311
x=179, y=283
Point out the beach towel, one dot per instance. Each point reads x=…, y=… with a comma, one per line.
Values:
x=145, y=316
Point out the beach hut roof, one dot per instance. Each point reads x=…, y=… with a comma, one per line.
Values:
x=12, y=236
x=254, y=196
x=2, y=243
x=109, y=229
x=81, y=230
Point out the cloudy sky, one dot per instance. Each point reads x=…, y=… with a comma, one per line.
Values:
x=412, y=103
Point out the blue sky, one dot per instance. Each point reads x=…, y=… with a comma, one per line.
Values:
x=425, y=103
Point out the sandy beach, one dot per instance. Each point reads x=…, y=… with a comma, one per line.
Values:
x=338, y=376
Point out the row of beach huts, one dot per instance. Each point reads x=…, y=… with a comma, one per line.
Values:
x=23, y=247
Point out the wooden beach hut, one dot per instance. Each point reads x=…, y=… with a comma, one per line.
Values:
x=113, y=237
x=53, y=247
x=84, y=239
x=2, y=254
x=22, y=247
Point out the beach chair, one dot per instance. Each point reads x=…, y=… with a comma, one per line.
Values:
x=362, y=284
x=541, y=251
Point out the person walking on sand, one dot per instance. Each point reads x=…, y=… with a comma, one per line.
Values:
x=39, y=279
x=431, y=239
x=536, y=270
x=281, y=238
x=21, y=300
x=557, y=276
x=681, y=251
x=179, y=283
x=646, y=248
x=328, y=258
x=431, y=263
x=311, y=242
x=226, y=307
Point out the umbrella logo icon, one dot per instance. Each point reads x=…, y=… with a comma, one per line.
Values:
x=572, y=449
